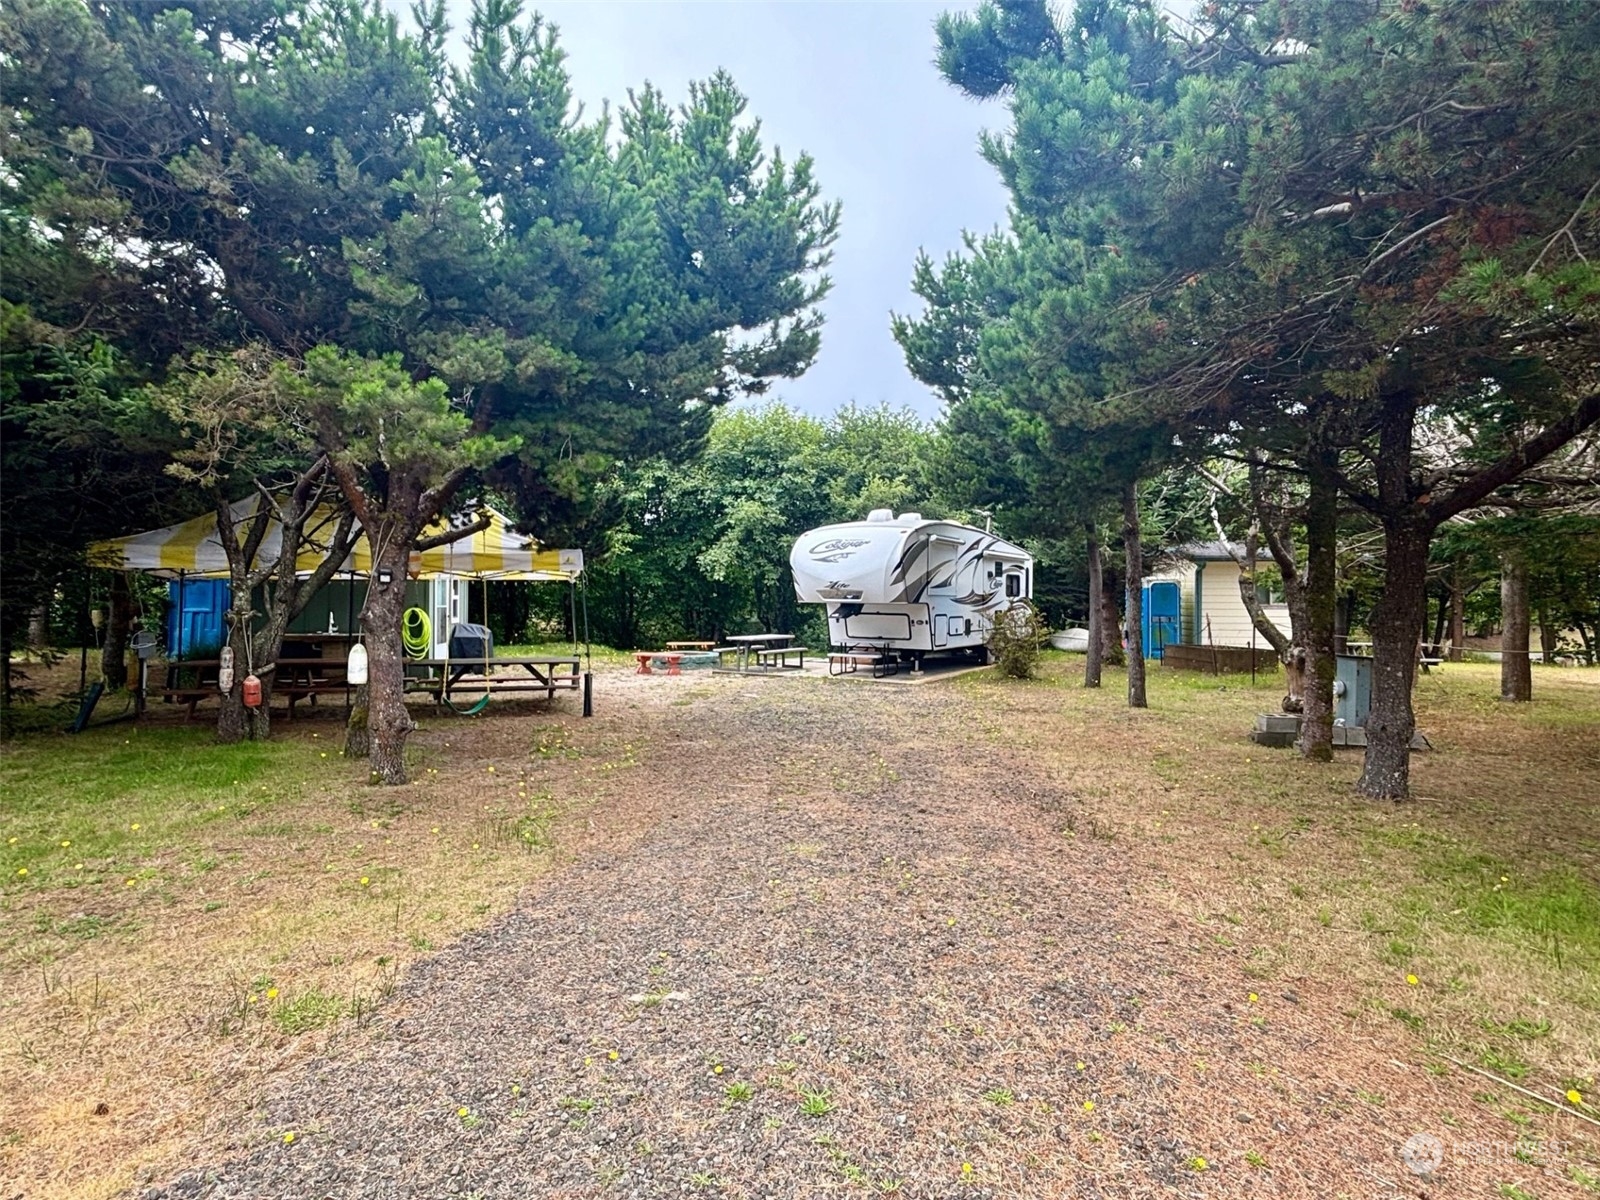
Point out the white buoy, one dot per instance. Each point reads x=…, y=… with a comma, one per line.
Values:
x=356, y=669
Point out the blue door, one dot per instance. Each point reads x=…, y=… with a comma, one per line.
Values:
x=1160, y=623
x=194, y=616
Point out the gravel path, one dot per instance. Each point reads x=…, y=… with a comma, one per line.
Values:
x=844, y=948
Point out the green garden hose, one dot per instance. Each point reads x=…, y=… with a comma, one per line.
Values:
x=416, y=633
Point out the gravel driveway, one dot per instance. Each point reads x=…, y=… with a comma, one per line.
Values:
x=849, y=946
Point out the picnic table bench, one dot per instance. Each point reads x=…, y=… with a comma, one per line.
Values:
x=459, y=676
x=847, y=662
x=778, y=657
x=648, y=658
x=191, y=680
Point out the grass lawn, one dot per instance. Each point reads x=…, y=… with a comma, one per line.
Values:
x=179, y=920
x=1470, y=915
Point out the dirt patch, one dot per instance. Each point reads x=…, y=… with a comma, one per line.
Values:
x=831, y=940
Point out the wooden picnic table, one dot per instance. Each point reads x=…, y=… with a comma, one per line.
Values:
x=690, y=645
x=474, y=676
x=744, y=643
x=191, y=680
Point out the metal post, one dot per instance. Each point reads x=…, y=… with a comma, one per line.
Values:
x=588, y=693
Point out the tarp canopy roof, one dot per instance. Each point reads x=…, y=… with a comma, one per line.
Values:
x=192, y=549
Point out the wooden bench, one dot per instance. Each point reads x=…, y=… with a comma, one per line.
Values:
x=187, y=695
x=778, y=657
x=847, y=662
x=648, y=658
x=739, y=653
x=540, y=673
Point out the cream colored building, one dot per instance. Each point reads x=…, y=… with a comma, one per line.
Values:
x=1212, y=612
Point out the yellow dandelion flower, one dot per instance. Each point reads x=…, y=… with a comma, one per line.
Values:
x=1411, y=980
x=365, y=881
x=66, y=843
x=288, y=1137
x=1080, y=1066
x=1088, y=1106
x=717, y=1070
x=1198, y=1163
x=491, y=770
x=11, y=841
x=134, y=826
x=461, y=1112
x=22, y=871
x=79, y=867
x=272, y=993
x=1574, y=1096
x=966, y=1168
x=613, y=1056
x=436, y=829
x=324, y=754
x=1254, y=998
x=131, y=882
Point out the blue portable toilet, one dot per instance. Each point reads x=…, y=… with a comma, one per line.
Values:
x=1159, y=625
x=195, y=615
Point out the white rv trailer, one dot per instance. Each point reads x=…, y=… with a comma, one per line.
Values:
x=908, y=586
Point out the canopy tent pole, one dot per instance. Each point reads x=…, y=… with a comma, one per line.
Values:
x=588, y=657
x=178, y=640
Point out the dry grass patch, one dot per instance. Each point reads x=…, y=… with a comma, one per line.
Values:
x=1470, y=917
x=181, y=918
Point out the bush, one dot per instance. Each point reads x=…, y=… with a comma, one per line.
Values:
x=1016, y=640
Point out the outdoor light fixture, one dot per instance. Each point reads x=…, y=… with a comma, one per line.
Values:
x=385, y=576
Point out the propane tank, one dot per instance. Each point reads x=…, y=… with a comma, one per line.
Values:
x=252, y=691
x=225, y=671
x=356, y=668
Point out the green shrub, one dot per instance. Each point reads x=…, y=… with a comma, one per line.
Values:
x=1016, y=640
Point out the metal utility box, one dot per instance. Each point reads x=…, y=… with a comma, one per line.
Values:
x=1352, y=690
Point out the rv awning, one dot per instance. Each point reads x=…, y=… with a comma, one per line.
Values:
x=193, y=549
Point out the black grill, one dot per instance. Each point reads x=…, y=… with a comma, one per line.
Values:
x=471, y=641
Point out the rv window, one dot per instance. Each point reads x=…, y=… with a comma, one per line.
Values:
x=1013, y=585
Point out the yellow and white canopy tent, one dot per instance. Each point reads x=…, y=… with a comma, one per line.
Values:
x=193, y=549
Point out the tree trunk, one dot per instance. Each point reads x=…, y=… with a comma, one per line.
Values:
x=1097, y=616
x=1386, y=774
x=1110, y=619
x=39, y=628
x=357, y=730
x=5, y=680
x=1441, y=619
x=1135, y=590
x=387, y=720
x=119, y=617
x=1341, y=624
x=1549, y=639
x=1458, y=613
x=1269, y=632
x=1317, y=600
x=1516, y=669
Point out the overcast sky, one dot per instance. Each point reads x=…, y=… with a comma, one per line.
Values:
x=853, y=84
